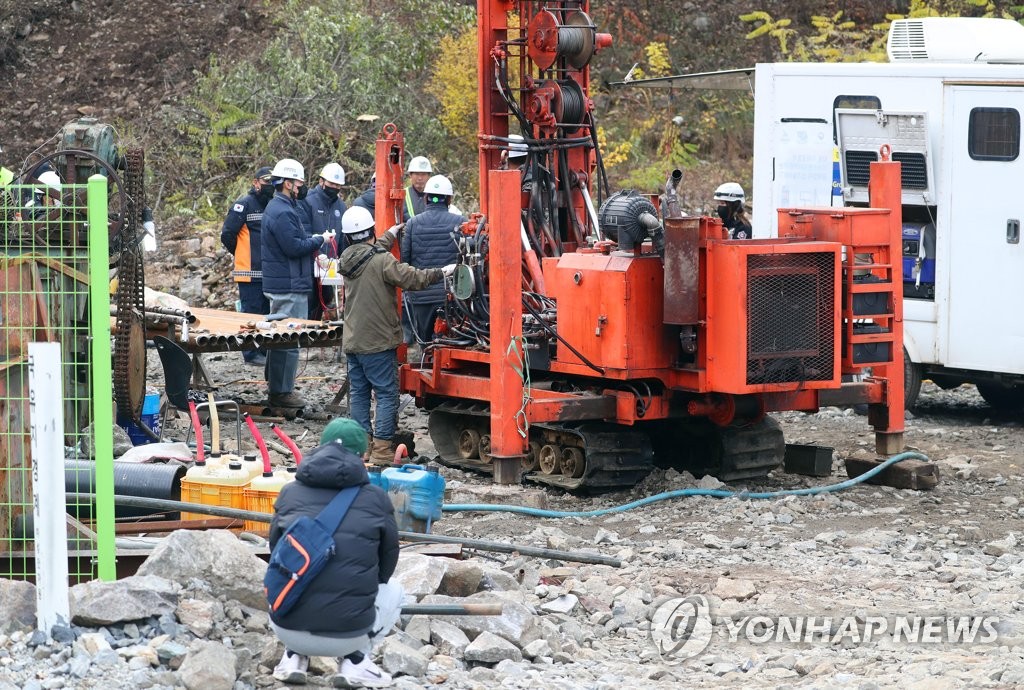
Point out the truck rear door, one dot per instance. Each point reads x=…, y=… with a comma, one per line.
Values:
x=985, y=257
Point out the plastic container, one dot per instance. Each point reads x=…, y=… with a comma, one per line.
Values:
x=376, y=477
x=251, y=465
x=150, y=417
x=215, y=486
x=287, y=472
x=260, y=496
x=216, y=460
x=417, y=494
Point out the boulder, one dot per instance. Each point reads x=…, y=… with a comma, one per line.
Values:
x=419, y=574
x=514, y=622
x=214, y=556
x=563, y=604
x=739, y=590
x=461, y=579
x=490, y=649
x=131, y=599
x=418, y=628
x=198, y=615
x=402, y=659
x=17, y=604
x=448, y=639
x=208, y=666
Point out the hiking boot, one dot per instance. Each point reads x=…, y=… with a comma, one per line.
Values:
x=292, y=668
x=286, y=400
x=382, y=453
x=365, y=674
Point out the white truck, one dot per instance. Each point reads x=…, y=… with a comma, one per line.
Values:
x=949, y=103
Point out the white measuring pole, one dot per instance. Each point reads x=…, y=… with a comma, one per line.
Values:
x=46, y=413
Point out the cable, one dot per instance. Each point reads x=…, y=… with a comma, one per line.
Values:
x=562, y=340
x=517, y=348
x=679, y=493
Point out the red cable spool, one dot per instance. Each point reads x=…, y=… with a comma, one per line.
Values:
x=576, y=40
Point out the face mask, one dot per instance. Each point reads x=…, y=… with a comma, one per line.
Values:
x=265, y=193
x=331, y=193
x=302, y=193
x=724, y=212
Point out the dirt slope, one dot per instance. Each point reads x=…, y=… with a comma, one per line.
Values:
x=118, y=61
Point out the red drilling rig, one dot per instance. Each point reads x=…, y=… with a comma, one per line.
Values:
x=640, y=335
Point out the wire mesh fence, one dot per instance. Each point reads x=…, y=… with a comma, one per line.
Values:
x=53, y=288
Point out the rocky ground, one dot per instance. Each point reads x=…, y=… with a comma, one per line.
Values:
x=866, y=558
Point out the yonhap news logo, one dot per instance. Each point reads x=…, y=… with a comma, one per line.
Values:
x=683, y=627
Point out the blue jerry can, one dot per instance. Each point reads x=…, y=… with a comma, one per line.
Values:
x=417, y=494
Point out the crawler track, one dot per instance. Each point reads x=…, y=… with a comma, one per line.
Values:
x=601, y=456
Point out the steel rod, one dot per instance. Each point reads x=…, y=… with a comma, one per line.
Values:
x=255, y=516
x=467, y=609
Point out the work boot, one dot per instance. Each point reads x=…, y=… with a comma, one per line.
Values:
x=286, y=400
x=381, y=452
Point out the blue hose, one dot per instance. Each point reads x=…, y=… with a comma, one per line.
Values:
x=679, y=493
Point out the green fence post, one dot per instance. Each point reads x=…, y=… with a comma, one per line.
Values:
x=102, y=376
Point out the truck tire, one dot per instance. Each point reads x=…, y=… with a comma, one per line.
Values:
x=1002, y=396
x=911, y=381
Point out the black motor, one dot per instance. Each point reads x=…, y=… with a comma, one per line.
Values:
x=629, y=218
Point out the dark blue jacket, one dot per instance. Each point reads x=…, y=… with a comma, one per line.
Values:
x=427, y=243
x=340, y=599
x=367, y=199
x=241, y=235
x=287, y=248
x=325, y=214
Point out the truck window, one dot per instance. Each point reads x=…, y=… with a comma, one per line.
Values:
x=859, y=102
x=994, y=134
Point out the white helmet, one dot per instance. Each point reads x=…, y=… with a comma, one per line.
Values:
x=289, y=169
x=517, y=147
x=419, y=164
x=51, y=180
x=356, y=220
x=333, y=172
x=730, y=191
x=438, y=185
x=455, y=209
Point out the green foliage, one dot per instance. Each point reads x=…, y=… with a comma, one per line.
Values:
x=334, y=73
x=835, y=38
x=453, y=82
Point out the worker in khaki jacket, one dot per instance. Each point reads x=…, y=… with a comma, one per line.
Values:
x=372, y=330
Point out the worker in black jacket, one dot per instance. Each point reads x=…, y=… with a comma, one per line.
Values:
x=241, y=236
x=427, y=242
x=350, y=606
x=368, y=199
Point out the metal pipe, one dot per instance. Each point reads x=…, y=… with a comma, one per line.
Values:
x=501, y=547
x=255, y=516
x=172, y=312
x=467, y=609
x=591, y=212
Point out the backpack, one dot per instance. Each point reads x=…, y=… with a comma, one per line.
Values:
x=302, y=552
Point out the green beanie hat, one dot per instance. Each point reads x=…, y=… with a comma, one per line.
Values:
x=348, y=431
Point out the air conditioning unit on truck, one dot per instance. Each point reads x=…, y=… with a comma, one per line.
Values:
x=949, y=106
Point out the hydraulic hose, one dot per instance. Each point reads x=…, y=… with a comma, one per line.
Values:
x=680, y=493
